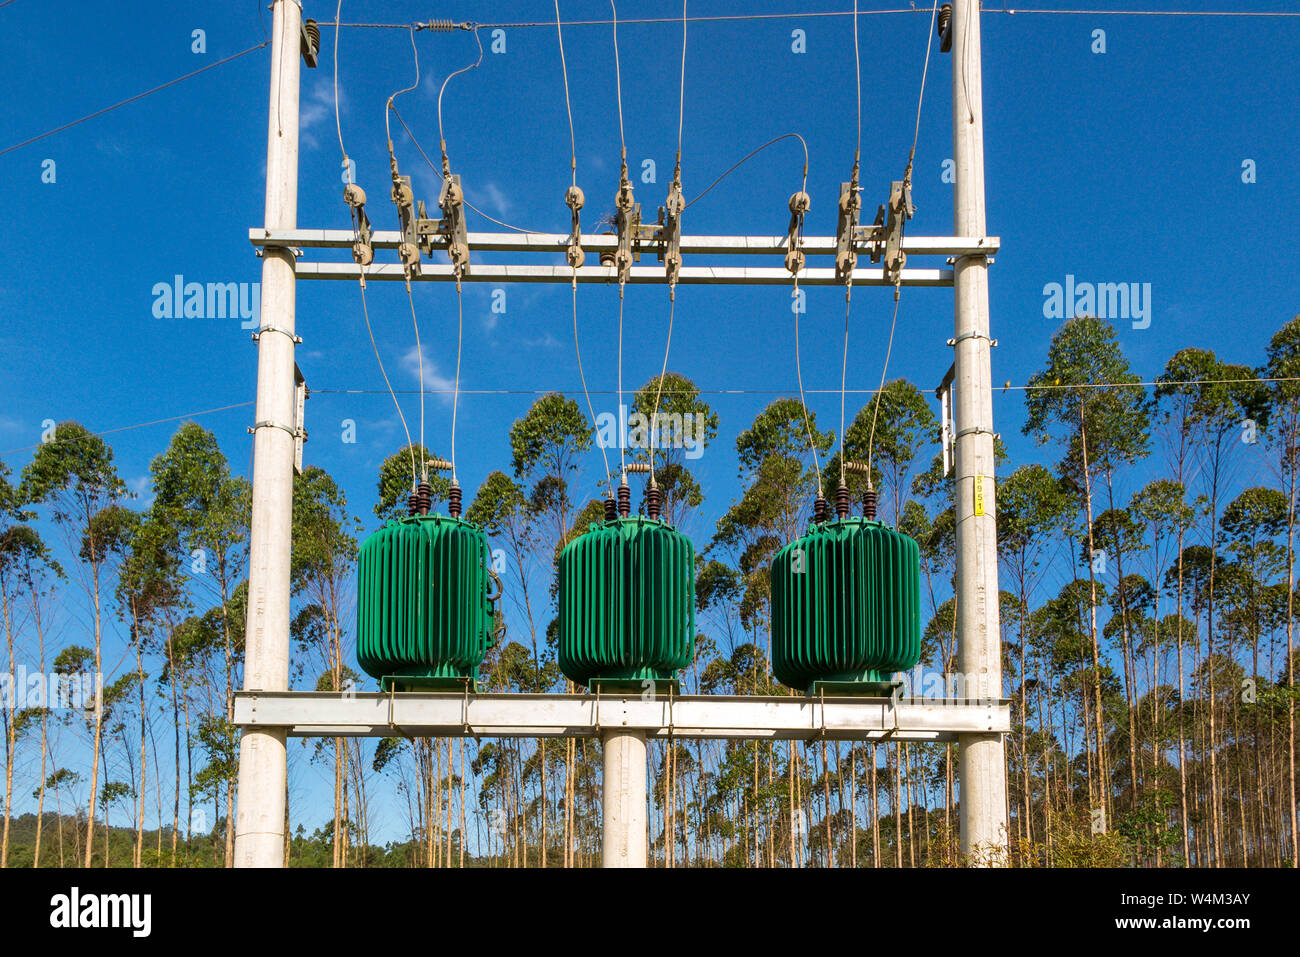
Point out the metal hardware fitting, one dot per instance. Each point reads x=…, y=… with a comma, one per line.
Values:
x=284, y=332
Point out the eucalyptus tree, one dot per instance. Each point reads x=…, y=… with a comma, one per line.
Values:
x=1217, y=399
x=74, y=476
x=322, y=561
x=1283, y=369
x=1087, y=399
x=1033, y=511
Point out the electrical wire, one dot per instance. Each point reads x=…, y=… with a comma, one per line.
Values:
x=366, y=312
x=798, y=367
x=844, y=367
x=419, y=358
x=564, y=69
x=731, y=169
x=857, y=75
x=141, y=425
x=338, y=124
x=389, y=108
x=618, y=79
x=1191, y=383
x=916, y=133
x=132, y=99
x=880, y=393
x=442, y=140
x=438, y=173
x=573, y=166
x=672, y=290
x=455, y=402
x=801, y=15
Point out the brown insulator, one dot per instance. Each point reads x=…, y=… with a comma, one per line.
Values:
x=652, y=501
x=842, y=501
x=624, y=501
x=819, y=508
x=413, y=504
x=869, y=504
x=943, y=28
x=453, y=500
x=611, y=509
x=423, y=498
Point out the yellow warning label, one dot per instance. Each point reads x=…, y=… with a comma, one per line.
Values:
x=979, y=494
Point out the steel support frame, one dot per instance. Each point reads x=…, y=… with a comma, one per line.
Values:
x=557, y=243
x=739, y=717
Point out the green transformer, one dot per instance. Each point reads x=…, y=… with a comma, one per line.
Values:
x=846, y=608
x=627, y=602
x=425, y=614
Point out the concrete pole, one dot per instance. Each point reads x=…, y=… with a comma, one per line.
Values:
x=259, y=825
x=623, y=834
x=979, y=645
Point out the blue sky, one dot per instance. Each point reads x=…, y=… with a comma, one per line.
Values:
x=1117, y=167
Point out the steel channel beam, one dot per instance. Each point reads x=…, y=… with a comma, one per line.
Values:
x=606, y=275
x=312, y=714
x=596, y=243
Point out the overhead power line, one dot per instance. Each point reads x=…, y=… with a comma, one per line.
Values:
x=141, y=425
x=132, y=99
x=802, y=15
x=1195, y=383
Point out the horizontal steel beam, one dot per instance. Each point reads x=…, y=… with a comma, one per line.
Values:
x=442, y=714
x=603, y=242
x=608, y=275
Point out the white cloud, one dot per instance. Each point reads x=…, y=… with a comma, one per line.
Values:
x=314, y=110
x=435, y=383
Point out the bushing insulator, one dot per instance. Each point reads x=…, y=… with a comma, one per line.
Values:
x=869, y=504
x=624, y=501
x=819, y=509
x=453, y=501
x=652, y=501
x=413, y=504
x=611, y=509
x=423, y=498
x=842, y=501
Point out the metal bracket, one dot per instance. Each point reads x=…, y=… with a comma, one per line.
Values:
x=284, y=332
x=885, y=236
x=452, y=225
x=976, y=430
x=627, y=221
x=408, y=250
x=846, y=257
x=268, y=424
x=363, y=251
x=971, y=335
x=671, y=233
